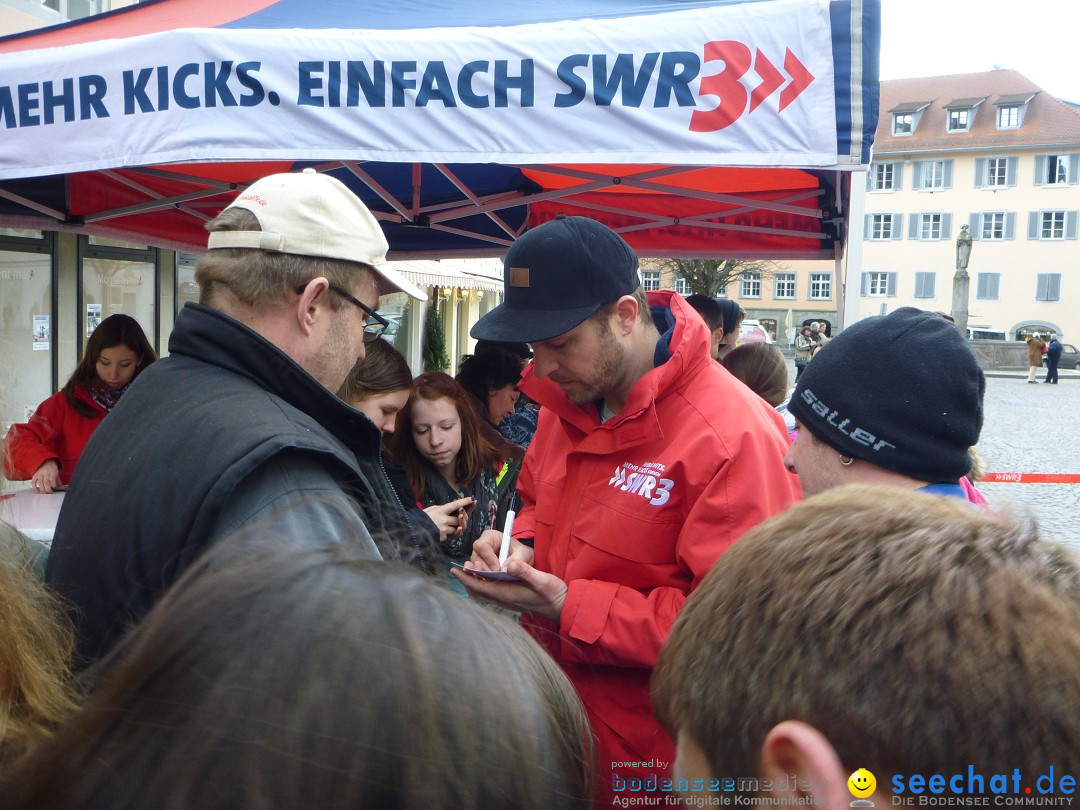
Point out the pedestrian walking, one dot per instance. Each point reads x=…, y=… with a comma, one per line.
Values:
x=1053, y=357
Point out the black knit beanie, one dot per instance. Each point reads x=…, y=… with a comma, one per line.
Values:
x=902, y=391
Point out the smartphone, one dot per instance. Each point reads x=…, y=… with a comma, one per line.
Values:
x=500, y=576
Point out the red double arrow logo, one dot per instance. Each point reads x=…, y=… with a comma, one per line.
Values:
x=732, y=94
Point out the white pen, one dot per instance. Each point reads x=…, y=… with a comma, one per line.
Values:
x=504, y=549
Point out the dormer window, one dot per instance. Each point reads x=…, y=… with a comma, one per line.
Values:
x=959, y=120
x=905, y=117
x=1011, y=109
x=1009, y=116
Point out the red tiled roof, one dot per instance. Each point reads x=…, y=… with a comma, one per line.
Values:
x=1048, y=120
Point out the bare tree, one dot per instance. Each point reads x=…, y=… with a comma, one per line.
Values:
x=710, y=276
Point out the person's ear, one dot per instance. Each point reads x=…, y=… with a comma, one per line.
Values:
x=796, y=749
x=626, y=311
x=310, y=303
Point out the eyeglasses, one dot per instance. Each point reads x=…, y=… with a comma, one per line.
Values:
x=374, y=325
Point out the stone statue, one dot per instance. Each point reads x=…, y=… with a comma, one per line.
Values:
x=963, y=248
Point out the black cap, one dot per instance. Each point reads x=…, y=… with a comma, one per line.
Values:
x=557, y=275
x=902, y=391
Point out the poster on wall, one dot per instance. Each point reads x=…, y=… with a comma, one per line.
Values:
x=93, y=318
x=41, y=333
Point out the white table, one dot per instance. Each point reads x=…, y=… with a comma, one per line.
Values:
x=34, y=514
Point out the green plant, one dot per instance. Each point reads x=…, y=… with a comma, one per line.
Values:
x=434, y=351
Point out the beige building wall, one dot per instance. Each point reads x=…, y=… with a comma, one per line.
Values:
x=1016, y=257
x=792, y=293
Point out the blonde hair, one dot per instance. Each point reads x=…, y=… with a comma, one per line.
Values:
x=36, y=644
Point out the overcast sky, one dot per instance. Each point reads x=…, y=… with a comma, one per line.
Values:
x=1038, y=38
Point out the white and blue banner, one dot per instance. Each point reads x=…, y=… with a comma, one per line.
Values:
x=744, y=85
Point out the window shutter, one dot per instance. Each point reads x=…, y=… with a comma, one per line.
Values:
x=897, y=226
x=1010, y=225
x=1033, y=225
x=890, y=285
x=931, y=285
x=913, y=226
x=946, y=226
x=868, y=226
x=1041, y=280
x=870, y=175
x=898, y=176
x=1010, y=171
x=918, y=174
x=1053, y=287
x=975, y=226
x=1070, y=224
x=1074, y=168
x=980, y=285
x=865, y=281
x=948, y=173
x=1040, y=170
x=980, y=172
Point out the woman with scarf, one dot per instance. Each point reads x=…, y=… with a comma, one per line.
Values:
x=45, y=449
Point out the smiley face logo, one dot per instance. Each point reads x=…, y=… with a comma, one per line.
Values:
x=861, y=783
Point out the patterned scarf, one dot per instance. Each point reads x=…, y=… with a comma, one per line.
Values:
x=105, y=396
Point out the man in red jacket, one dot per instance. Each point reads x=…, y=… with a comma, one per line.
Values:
x=649, y=460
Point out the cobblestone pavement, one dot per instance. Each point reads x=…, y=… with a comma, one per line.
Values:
x=1034, y=429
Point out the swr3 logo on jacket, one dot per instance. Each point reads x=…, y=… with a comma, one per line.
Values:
x=643, y=480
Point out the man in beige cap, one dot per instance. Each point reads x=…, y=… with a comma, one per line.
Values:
x=240, y=425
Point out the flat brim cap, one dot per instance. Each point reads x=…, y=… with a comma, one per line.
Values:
x=311, y=214
x=557, y=275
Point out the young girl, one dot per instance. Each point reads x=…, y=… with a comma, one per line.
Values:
x=45, y=449
x=445, y=456
x=763, y=369
x=379, y=387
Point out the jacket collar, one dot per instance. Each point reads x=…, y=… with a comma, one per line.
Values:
x=681, y=353
x=211, y=336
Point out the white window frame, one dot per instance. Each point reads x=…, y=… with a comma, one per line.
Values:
x=789, y=282
x=992, y=226
x=682, y=286
x=1008, y=116
x=1059, y=165
x=881, y=227
x=903, y=123
x=962, y=122
x=885, y=176
x=820, y=286
x=997, y=172
x=750, y=284
x=930, y=227
x=650, y=280
x=878, y=285
x=933, y=174
x=1051, y=224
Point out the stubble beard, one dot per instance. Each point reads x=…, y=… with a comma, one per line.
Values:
x=606, y=373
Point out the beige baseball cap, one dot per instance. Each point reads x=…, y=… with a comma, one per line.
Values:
x=311, y=214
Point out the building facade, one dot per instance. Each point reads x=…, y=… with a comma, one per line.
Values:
x=782, y=298
x=991, y=151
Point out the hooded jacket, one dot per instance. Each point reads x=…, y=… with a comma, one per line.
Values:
x=632, y=513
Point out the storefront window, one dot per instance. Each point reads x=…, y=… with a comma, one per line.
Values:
x=118, y=278
x=27, y=321
x=186, y=288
